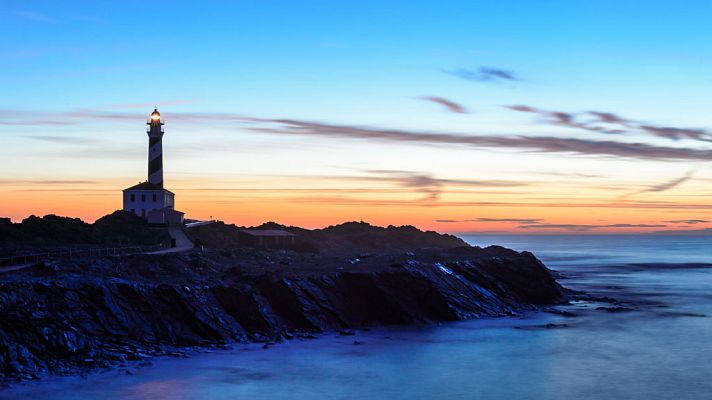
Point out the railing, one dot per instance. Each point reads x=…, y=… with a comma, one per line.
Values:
x=200, y=223
x=36, y=257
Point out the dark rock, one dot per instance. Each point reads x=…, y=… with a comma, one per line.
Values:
x=541, y=327
x=563, y=313
x=552, y=326
x=48, y=265
x=118, y=228
x=308, y=336
x=614, y=309
x=133, y=308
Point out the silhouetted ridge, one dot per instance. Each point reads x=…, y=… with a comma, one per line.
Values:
x=347, y=239
x=123, y=227
x=118, y=228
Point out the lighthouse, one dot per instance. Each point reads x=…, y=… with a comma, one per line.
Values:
x=155, y=148
x=149, y=199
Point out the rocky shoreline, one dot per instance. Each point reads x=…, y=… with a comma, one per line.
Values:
x=68, y=316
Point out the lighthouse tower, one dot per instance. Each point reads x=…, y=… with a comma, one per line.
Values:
x=155, y=148
x=149, y=199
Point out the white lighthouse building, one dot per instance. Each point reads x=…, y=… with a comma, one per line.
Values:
x=149, y=199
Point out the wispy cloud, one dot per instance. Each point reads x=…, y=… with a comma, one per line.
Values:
x=527, y=143
x=610, y=123
x=95, y=152
x=691, y=232
x=667, y=185
x=431, y=187
x=484, y=74
x=335, y=198
x=670, y=184
x=503, y=220
x=61, y=139
x=48, y=182
x=144, y=106
x=567, y=174
x=36, y=121
x=529, y=221
x=585, y=227
x=541, y=224
x=689, y=221
x=448, y=104
x=673, y=133
x=34, y=16
x=566, y=119
x=296, y=127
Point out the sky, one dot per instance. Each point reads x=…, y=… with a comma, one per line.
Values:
x=522, y=117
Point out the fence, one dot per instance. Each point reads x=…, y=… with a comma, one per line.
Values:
x=22, y=259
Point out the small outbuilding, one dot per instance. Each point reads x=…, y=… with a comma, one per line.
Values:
x=268, y=238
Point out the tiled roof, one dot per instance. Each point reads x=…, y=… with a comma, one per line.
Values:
x=147, y=186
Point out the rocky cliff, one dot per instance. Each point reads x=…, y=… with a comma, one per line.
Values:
x=74, y=314
x=67, y=315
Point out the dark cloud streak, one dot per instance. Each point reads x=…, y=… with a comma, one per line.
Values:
x=665, y=186
x=536, y=144
x=484, y=74
x=609, y=123
x=585, y=228
x=529, y=143
x=448, y=104
x=61, y=139
x=529, y=221
x=689, y=221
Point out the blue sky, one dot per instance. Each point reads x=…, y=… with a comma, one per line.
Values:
x=322, y=59
x=358, y=64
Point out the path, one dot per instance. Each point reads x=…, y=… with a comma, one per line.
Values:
x=182, y=241
x=14, y=268
x=200, y=223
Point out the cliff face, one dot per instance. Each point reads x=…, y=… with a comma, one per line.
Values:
x=74, y=314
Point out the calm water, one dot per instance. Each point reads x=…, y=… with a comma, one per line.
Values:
x=662, y=350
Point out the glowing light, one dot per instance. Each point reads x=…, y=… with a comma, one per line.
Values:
x=155, y=116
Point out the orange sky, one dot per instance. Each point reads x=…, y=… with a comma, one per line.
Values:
x=547, y=205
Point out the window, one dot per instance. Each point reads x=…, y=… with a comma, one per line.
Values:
x=133, y=198
x=143, y=198
x=133, y=210
x=154, y=197
x=143, y=212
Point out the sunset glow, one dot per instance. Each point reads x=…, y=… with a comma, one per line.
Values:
x=502, y=131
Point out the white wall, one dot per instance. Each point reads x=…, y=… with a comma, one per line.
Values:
x=143, y=200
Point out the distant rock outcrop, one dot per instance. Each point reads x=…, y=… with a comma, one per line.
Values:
x=347, y=239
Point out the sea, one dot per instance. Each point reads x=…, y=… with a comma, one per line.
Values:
x=656, y=345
